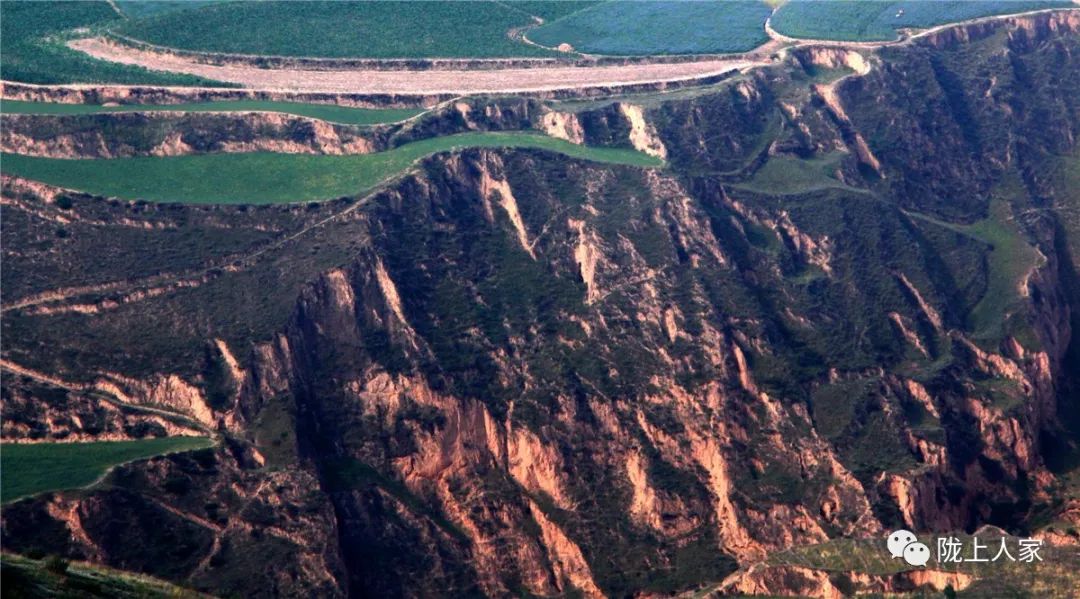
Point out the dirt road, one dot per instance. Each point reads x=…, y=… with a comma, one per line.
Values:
x=369, y=81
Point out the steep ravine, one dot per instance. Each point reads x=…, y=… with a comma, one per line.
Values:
x=510, y=372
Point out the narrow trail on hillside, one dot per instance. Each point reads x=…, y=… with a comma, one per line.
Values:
x=52, y=381
x=126, y=291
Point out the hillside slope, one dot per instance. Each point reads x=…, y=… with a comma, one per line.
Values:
x=845, y=306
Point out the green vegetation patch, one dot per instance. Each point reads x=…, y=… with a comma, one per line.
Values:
x=32, y=36
x=390, y=29
x=791, y=175
x=60, y=579
x=275, y=432
x=328, y=112
x=146, y=8
x=659, y=27
x=834, y=405
x=265, y=178
x=345, y=473
x=879, y=20
x=549, y=10
x=31, y=468
x=1011, y=259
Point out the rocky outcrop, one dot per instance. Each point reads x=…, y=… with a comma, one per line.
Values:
x=563, y=125
x=107, y=94
x=642, y=134
x=36, y=411
x=833, y=58
x=1030, y=28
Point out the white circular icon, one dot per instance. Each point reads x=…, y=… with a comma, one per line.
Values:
x=916, y=554
x=898, y=540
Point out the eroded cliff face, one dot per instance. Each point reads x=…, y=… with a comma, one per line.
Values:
x=809, y=582
x=123, y=94
x=206, y=519
x=490, y=442
x=164, y=133
x=512, y=372
x=176, y=134
x=36, y=410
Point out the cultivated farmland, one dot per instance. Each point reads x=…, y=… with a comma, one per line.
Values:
x=389, y=29
x=549, y=10
x=32, y=468
x=145, y=8
x=263, y=178
x=328, y=112
x=879, y=20
x=31, y=41
x=644, y=28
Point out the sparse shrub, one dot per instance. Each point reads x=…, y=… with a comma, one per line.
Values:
x=217, y=380
x=177, y=485
x=56, y=564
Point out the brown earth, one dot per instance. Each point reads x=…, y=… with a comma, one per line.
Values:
x=414, y=82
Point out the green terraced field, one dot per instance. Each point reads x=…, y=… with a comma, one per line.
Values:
x=879, y=20
x=664, y=27
x=264, y=178
x=31, y=468
x=327, y=112
x=32, y=38
x=390, y=29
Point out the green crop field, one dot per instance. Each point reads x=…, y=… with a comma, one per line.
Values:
x=879, y=20
x=549, y=10
x=32, y=36
x=145, y=8
x=263, y=177
x=388, y=29
x=31, y=468
x=327, y=112
x=643, y=28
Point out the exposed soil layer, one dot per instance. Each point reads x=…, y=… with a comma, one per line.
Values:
x=374, y=81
